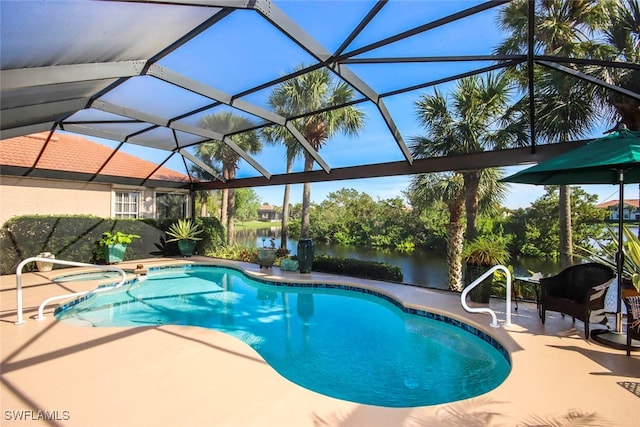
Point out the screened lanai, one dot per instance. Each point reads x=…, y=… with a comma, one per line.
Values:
x=140, y=76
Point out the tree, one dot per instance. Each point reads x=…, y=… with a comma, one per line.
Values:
x=247, y=204
x=309, y=93
x=622, y=37
x=427, y=193
x=273, y=134
x=218, y=151
x=536, y=229
x=349, y=217
x=477, y=116
x=207, y=202
x=427, y=189
x=565, y=106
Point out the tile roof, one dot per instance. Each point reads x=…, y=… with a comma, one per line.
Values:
x=611, y=203
x=265, y=207
x=72, y=153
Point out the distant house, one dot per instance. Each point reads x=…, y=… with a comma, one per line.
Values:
x=37, y=177
x=631, y=209
x=266, y=212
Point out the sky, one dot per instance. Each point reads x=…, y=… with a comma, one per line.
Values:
x=257, y=53
x=519, y=196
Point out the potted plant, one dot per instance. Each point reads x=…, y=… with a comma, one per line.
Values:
x=267, y=254
x=479, y=255
x=607, y=255
x=114, y=245
x=185, y=232
x=632, y=252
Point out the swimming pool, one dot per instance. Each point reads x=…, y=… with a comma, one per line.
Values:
x=341, y=341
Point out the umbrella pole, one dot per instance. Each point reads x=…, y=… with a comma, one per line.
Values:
x=620, y=254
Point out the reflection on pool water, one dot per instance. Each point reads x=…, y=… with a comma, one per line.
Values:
x=338, y=341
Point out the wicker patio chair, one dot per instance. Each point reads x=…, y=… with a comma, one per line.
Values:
x=578, y=291
x=633, y=320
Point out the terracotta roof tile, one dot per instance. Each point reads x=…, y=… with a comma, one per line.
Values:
x=265, y=207
x=76, y=154
x=612, y=203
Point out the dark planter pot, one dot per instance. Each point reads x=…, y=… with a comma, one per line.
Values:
x=481, y=293
x=305, y=255
x=114, y=253
x=186, y=247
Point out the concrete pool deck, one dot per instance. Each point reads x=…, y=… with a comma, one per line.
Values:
x=57, y=374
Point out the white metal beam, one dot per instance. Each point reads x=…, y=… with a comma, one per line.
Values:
x=37, y=113
x=26, y=130
x=160, y=121
x=57, y=74
x=196, y=161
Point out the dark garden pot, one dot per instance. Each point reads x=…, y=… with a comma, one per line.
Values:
x=305, y=255
x=186, y=247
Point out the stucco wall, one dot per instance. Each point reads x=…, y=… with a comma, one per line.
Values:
x=30, y=196
x=33, y=196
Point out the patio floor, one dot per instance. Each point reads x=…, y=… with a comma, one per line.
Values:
x=188, y=376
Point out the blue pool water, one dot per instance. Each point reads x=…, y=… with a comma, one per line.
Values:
x=339, y=342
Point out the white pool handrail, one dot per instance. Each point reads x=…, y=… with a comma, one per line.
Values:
x=494, y=322
x=40, y=316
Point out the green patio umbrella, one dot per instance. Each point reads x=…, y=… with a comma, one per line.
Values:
x=613, y=159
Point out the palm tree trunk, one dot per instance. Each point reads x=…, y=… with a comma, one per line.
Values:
x=455, y=241
x=231, y=213
x=566, y=238
x=284, y=232
x=471, y=183
x=306, y=199
x=223, y=207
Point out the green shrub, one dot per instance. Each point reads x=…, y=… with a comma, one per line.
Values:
x=358, y=268
x=234, y=252
x=74, y=237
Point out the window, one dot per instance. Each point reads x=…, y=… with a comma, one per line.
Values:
x=126, y=204
x=171, y=205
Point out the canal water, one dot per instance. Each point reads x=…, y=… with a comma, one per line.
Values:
x=420, y=267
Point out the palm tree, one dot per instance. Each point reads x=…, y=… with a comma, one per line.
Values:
x=477, y=117
x=424, y=191
x=218, y=151
x=308, y=93
x=622, y=38
x=566, y=29
x=294, y=150
x=427, y=190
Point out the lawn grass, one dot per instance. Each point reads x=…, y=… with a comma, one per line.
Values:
x=254, y=225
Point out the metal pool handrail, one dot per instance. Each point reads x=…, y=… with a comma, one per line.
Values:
x=479, y=280
x=40, y=316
